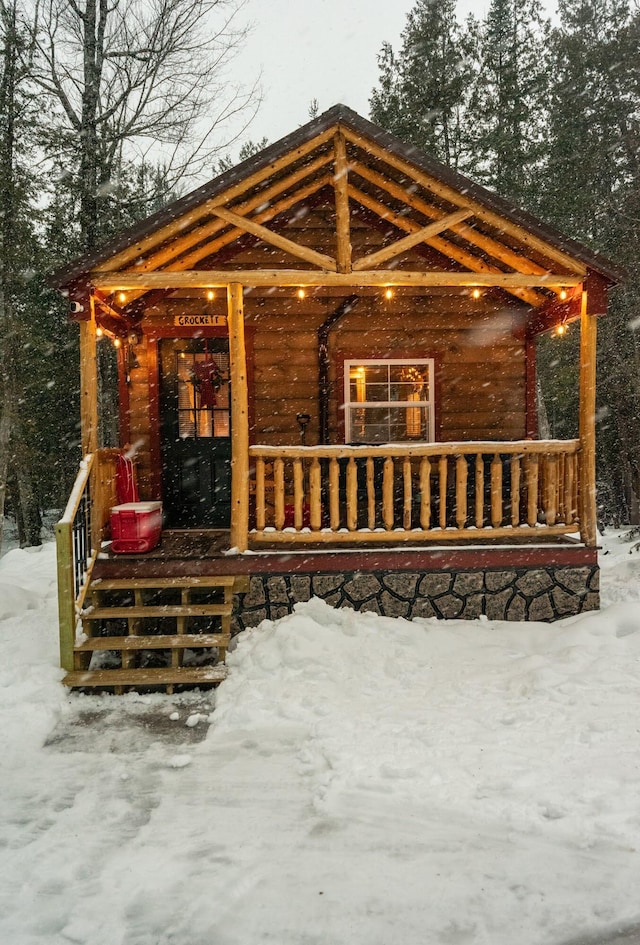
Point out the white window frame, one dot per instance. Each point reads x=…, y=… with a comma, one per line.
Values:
x=350, y=405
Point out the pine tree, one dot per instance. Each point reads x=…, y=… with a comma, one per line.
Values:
x=592, y=178
x=423, y=91
x=508, y=103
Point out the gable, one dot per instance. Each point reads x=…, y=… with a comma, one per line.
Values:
x=339, y=202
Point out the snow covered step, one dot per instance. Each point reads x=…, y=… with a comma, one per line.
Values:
x=182, y=675
x=161, y=610
x=156, y=642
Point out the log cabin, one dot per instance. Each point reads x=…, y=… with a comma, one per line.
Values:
x=327, y=375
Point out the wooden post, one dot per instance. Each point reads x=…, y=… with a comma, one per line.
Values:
x=260, y=494
x=588, y=337
x=334, y=494
x=341, y=185
x=315, y=495
x=352, y=495
x=239, y=420
x=66, y=594
x=88, y=382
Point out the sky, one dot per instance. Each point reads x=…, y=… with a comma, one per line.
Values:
x=301, y=50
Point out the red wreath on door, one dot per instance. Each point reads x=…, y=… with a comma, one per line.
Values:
x=207, y=379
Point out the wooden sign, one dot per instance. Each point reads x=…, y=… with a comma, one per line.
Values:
x=200, y=321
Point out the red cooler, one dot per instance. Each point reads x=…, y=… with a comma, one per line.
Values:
x=135, y=527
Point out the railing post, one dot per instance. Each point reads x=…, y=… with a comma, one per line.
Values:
x=66, y=594
x=88, y=382
x=239, y=420
x=588, y=337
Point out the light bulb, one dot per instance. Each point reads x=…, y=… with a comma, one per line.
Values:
x=122, y=297
x=301, y=293
x=211, y=295
x=388, y=294
x=563, y=294
x=476, y=293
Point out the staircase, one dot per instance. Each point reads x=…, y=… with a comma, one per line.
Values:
x=150, y=633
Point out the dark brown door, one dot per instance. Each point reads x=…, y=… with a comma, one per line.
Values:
x=195, y=429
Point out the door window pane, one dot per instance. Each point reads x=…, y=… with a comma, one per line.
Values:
x=203, y=394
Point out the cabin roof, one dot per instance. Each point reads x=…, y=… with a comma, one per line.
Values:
x=405, y=161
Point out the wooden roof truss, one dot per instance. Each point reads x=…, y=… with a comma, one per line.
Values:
x=477, y=245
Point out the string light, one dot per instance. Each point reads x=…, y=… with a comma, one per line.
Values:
x=99, y=332
x=561, y=330
x=388, y=294
x=117, y=342
x=563, y=294
x=476, y=293
x=122, y=297
x=301, y=293
x=211, y=295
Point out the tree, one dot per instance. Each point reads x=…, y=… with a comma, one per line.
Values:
x=135, y=76
x=17, y=242
x=592, y=178
x=508, y=104
x=423, y=90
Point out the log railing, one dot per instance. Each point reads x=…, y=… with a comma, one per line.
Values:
x=399, y=492
x=78, y=539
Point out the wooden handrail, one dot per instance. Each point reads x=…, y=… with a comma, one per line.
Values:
x=423, y=449
x=78, y=538
x=79, y=486
x=418, y=492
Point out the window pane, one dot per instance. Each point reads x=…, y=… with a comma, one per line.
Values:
x=376, y=392
x=369, y=425
x=408, y=423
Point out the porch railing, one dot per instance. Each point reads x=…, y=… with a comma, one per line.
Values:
x=78, y=539
x=398, y=492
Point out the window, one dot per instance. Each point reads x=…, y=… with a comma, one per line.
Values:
x=388, y=401
x=203, y=394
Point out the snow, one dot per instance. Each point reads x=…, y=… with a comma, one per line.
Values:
x=355, y=779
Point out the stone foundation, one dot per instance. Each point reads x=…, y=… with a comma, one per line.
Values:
x=543, y=593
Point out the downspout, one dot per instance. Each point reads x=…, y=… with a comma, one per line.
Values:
x=323, y=363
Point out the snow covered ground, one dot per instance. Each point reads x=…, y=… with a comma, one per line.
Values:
x=362, y=780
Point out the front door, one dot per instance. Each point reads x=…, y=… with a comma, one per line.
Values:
x=195, y=424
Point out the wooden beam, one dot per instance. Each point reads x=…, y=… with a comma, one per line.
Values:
x=263, y=198
x=462, y=199
x=239, y=420
x=181, y=223
x=555, y=312
x=588, y=338
x=211, y=279
x=88, y=382
x=276, y=239
x=408, y=242
x=596, y=288
x=448, y=249
x=281, y=206
x=341, y=186
x=486, y=243
x=209, y=249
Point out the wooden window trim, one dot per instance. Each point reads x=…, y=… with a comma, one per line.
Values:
x=341, y=356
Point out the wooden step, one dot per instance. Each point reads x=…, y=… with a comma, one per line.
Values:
x=155, y=642
x=162, y=610
x=181, y=675
x=123, y=584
